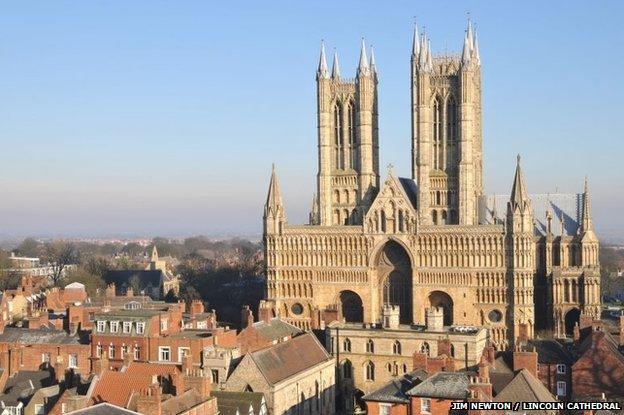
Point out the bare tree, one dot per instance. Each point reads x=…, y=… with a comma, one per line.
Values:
x=60, y=254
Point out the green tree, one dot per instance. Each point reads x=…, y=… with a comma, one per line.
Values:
x=92, y=283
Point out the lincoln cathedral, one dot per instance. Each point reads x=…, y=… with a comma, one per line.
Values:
x=516, y=264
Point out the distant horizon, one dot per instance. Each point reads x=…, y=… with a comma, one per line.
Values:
x=162, y=119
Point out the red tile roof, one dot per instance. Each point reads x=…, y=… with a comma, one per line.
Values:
x=118, y=387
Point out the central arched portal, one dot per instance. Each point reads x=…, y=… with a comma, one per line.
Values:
x=395, y=271
x=571, y=318
x=442, y=299
x=352, y=309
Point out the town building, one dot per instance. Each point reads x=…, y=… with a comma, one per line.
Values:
x=295, y=376
x=515, y=264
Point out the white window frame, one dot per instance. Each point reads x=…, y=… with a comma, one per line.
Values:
x=124, y=350
x=140, y=327
x=63, y=408
x=385, y=409
x=73, y=360
x=183, y=351
x=161, y=350
x=101, y=326
x=561, y=369
x=202, y=325
x=425, y=405
x=45, y=357
x=164, y=324
x=98, y=350
x=114, y=326
x=111, y=351
x=136, y=352
x=562, y=386
x=39, y=409
x=127, y=327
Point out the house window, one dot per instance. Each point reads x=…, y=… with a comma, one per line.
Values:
x=137, y=352
x=164, y=354
x=370, y=346
x=561, y=369
x=91, y=316
x=111, y=351
x=384, y=409
x=561, y=388
x=124, y=350
x=101, y=326
x=39, y=409
x=182, y=351
x=127, y=327
x=215, y=376
x=98, y=350
x=346, y=369
x=45, y=357
x=163, y=324
x=73, y=360
x=425, y=349
x=202, y=325
x=140, y=328
x=425, y=405
x=346, y=345
x=114, y=326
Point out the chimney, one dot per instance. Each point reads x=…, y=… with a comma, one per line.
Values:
x=576, y=333
x=197, y=307
x=390, y=316
x=177, y=381
x=212, y=320
x=247, y=317
x=59, y=373
x=130, y=292
x=434, y=319
x=523, y=333
x=110, y=290
x=419, y=361
x=523, y=359
x=444, y=347
x=196, y=379
x=480, y=390
x=484, y=371
x=440, y=364
x=264, y=312
x=148, y=402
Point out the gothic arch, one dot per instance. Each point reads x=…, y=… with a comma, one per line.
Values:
x=394, y=269
x=571, y=318
x=351, y=305
x=442, y=299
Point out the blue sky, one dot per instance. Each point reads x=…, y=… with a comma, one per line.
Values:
x=162, y=117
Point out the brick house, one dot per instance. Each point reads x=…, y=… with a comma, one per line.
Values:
x=554, y=367
x=263, y=333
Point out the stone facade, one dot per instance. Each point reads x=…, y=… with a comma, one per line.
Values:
x=431, y=239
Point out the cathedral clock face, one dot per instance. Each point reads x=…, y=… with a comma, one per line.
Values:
x=495, y=316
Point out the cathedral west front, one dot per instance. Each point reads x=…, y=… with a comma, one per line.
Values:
x=515, y=264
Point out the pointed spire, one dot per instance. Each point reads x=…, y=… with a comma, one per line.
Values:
x=466, y=51
x=314, y=211
x=475, y=49
x=363, y=68
x=422, y=58
x=519, y=194
x=373, y=64
x=415, y=42
x=335, y=67
x=494, y=212
x=586, y=222
x=274, y=199
x=322, y=71
x=429, y=56
x=154, y=254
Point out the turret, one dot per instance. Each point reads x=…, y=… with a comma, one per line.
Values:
x=322, y=72
x=274, y=215
x=520, y=258
x=335, y=74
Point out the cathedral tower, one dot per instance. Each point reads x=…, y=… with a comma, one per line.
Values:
x=348, y=145
x=446, y=131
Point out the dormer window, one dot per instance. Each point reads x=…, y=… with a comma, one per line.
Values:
x=101, y=326
x=140, y=329
x=114, y=326
x=127, y=327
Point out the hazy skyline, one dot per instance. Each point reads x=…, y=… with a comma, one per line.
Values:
x=163, y=118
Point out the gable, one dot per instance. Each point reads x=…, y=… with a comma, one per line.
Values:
x=246, y=374
x=394, y=207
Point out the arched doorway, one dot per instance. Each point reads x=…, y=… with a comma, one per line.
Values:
x=571, y=318
x=395, y=271
x=351, y=304
x=442, y=299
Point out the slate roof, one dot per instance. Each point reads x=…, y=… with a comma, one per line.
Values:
x=411, y=189
x=447, y=385
x=40, y=336
x=182, y=403
x=22, y=386
x=551, y=352
x=103, y=409
x=229, y=402
x=525, y=387
x=275, y=329
x=286, y=359
x=395, y=390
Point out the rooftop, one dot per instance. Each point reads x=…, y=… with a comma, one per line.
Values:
x=448, y=385
x=40, y=336
x=395, y=390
